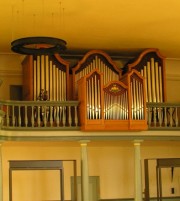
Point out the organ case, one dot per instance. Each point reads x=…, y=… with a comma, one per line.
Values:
x=119, y=105
x=95, y=59
x=47, y=74
x=107, y=100
x=90, y=97
x=151, y=65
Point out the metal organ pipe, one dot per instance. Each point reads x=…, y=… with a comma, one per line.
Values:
x=35, y=79
x=97, y=63
x=49, y=77
x=93, y=97
x=153, y=81
x=136, y=88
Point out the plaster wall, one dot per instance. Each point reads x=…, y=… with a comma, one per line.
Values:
x=112, y=162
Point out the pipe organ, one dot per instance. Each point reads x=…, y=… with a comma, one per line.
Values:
x=118, y=103
x=110, y=98
x=95, y=59
x=150, y=64
x=49, y=75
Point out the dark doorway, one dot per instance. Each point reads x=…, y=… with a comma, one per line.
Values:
x=16, y=92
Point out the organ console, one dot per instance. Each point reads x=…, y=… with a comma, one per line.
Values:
x=110, y=98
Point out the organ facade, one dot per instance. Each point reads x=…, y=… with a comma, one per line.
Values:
x=110, y=97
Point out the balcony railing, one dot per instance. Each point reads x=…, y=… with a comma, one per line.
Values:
x=39, y=115
x=163, y=116
x=58, y=115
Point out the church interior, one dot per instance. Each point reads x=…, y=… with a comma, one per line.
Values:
x=89, y=100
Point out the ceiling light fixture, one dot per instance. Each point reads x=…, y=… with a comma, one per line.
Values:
x=38, y=45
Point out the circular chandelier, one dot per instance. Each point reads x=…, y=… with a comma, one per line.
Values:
x=38, y=45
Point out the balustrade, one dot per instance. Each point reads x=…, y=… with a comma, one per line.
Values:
x=40, y=114
x=64, y=115
x=163, y=115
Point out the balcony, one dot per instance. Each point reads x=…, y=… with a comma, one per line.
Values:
x=39, y=115
x=59, y=115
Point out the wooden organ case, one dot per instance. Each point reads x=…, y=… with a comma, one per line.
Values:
x=46, y=78
x=45, y=75
x=110, y=98
x=150, y=64
x=108, y=101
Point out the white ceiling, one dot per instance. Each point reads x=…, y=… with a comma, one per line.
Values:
x=121, y=26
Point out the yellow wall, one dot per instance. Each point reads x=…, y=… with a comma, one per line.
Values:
x=10, y=74
x=173, y=80
x=113, y=162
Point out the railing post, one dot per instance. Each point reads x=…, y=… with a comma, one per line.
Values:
x=1, y=118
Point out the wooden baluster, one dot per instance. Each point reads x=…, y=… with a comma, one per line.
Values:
x=45, y=117
x=19, y=117
x=150, y=111
x=171, y=116
x=51, y=115
x=64, y=116
x=70, y=117
x=7, y=115
x=165, y=116
x=76, y=116
x=38, y=116
x=155, y=116
x=32, y=116
x=13, y=117
x=26, y=118
x=176, y=118
x=57, y=116
x=160, y=116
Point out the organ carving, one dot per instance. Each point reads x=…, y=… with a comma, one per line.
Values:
x=110, y=98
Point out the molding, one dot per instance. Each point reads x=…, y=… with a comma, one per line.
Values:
x=92, y=136
x=10, y=73
x=151, y=199
x=173, y=77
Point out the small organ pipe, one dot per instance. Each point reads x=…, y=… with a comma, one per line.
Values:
x=149, y=82
x=38, y=75
x=160, y=84
x=153, y=80
x=42, y=71
x=157, y=82
x=51, y=80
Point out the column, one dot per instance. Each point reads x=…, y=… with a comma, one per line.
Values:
x=137, y=166
x=84, y=172
x=1, y=174
x=1, y=117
